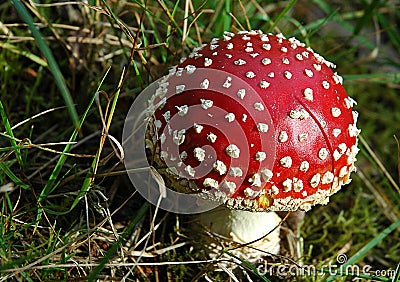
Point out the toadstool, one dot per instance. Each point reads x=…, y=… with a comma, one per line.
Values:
x=256, y=121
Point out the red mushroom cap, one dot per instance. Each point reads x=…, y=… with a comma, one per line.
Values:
x=257, y=121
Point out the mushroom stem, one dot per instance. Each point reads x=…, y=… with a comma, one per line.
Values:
x=232, y=227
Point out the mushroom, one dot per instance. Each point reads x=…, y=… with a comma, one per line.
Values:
x=257, y=122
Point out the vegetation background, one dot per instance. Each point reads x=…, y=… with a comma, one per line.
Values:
x=69, y=72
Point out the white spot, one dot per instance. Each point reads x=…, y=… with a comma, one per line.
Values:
x=213, y=46
x=227, y=82
x=178, y=137
x=297, y=185
x=304, y=166
x=162, y=138
x=204, y=84
x=323, y=153
x=266, y=174
x=271, y=74
x=309, y=73
x=248, y=192
x=336, y=132
x=305, y=54
x=183, y=155
x=214, y=41
x=337, y=78
x=245, y=37
x=343, y=171
x=284, y=49
x=206, y=104
x=235, y=171
x=308, y=94
x=285, y=61
x=266, y=46
x=239, y=62
x=287, y=185
x=190, y=69
x=264, y=84
x=260, y=156
x=274, y=190
x=244, y=117
x=355, y=116
x=342, y=147
x=250, y=74
x=164, y=155
x=262, y=127
x=229, y=46
x=249, y=49
x=190, y=170
x=157, y=123
x=259, y=106
x=299, y=57
x=179, y=88
x=229, y=56
x=303, y=136
x=349, y=102
x=283, y=136
x=230, y=186
x=233, y=151
x=253, y=55
x=327, y=177
x=207, y=62
x=317, y=67
x=167, y=116
x=266, y=61
x=264, y=37
x=230, y=117
x=288, y=74
x=315, y=180
x=182, y=110
x=286, y=161
x=353, y=130
x=255, y=180
x=241, y=93
x=220, y=167
x=299, y=114
x=209, y=182
x=336, y=155
x=336, y=112
x=325, y=84
x=197, y=128
x=211, y=137
x=199, y=154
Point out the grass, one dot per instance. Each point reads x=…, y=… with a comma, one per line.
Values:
x=69, y=73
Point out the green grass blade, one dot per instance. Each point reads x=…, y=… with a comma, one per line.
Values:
x=249, y=266
x=29, y=55
x=396, y=276
x=282, y=14
x=9, y=131
x=370, y=245
x=53, y=66
x=57, y=168
x=381, y=78
x=12, y=176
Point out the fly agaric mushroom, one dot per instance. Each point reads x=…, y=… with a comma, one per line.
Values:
x=256, y=121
